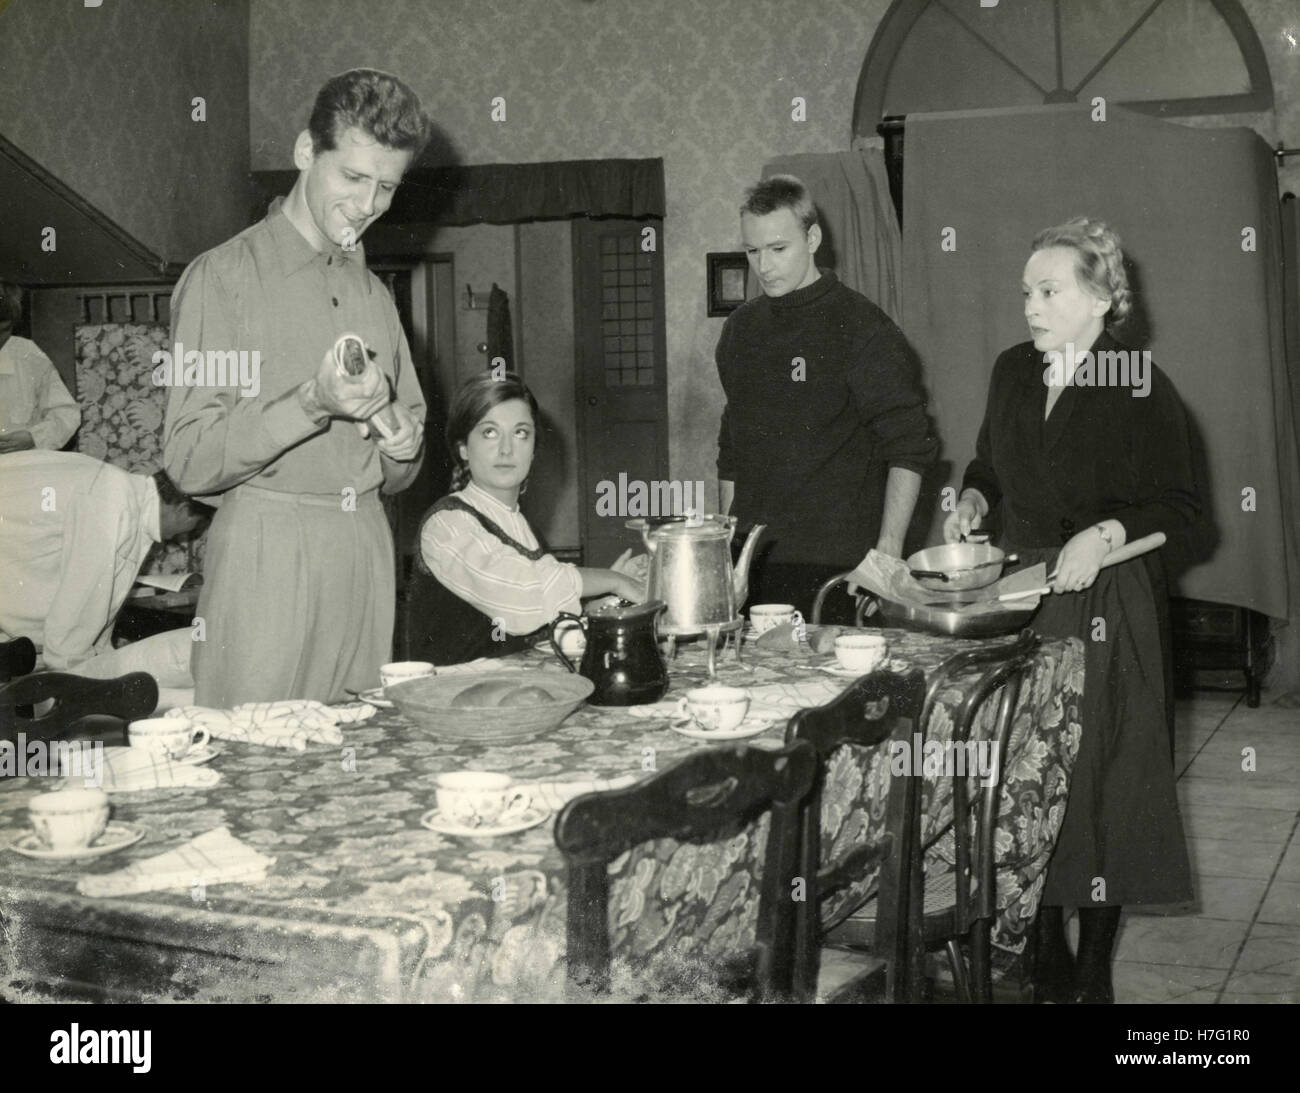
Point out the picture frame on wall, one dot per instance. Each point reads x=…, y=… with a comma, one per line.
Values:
x=727, y=272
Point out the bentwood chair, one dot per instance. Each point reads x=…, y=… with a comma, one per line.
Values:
x=958, y=900
x=681, y=887
x=17, y=658
x=879, y=711
x=82, y=709
x=865, y=603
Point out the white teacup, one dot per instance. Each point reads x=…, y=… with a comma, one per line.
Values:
x=767, y=616
x=69, y=819
x=477, y=798
x=172, y=736
x=400, y=670
x=715, y=709
x=861, y=652
x=571, y=639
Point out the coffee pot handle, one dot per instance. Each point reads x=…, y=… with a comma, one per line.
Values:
x=564, y=616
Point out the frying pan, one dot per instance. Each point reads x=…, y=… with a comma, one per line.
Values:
x=957, y=567
x=953, y=621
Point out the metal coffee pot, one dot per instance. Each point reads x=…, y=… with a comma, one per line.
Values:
x=691, y=571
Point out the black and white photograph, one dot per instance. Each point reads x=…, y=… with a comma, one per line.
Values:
x=567, y=502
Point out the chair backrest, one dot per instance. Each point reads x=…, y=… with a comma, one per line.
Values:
x=1001, y=666
x=866, y=602
x=17, y=658
x=884, y=708
x=701, y=834
x=126, y=698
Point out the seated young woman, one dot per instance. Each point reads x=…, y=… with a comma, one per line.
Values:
x=483, y=584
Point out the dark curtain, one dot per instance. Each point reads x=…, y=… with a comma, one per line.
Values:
x=505, y=193
x=1210, y=311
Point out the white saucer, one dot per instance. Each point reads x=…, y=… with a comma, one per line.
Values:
x=195, y=756
x=751, y=726
x=847, y=673
x=116, y=836
x=375, y=696
x=531, y=818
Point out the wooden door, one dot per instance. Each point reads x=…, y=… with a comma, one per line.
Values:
x=422, y=291
x=622, y=392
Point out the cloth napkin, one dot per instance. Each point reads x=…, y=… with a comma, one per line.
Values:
x=892, y=579
x=292, y=723
x=214, y=858
x=555, y=795
x=129, y=769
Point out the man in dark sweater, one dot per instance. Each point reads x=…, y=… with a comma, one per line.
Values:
x=824, y=436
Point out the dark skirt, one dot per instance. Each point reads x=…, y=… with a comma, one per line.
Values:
x=1122, y=839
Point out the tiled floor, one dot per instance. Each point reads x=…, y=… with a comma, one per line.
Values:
x=1240, y=940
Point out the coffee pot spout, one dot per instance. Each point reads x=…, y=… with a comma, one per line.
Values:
x=741, y=580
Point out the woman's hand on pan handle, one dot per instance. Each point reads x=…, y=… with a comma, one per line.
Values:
x=970, y=511
x=1079, y=561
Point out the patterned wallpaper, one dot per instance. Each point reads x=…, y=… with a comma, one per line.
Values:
x=706, y=86
x=100, y=97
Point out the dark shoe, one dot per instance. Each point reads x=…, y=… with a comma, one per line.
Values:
x=1053, y=963
x=1095, y=994
x=1095, y=997
x=1097, y=929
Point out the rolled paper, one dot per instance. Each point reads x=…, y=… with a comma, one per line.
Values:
x=350, y=352
x=350, y=357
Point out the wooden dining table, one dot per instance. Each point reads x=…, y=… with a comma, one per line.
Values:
x=363, y=903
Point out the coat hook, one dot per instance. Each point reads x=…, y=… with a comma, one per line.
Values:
x=476, y=301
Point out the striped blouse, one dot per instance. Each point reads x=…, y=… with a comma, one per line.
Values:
x=495, y=578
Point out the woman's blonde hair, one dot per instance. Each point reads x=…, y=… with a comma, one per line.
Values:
x=1098, y=261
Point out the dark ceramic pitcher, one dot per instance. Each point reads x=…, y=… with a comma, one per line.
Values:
x=622, y=657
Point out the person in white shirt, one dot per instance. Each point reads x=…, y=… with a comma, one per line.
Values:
x=74, y=532
x=36, y=410
x=482, y=581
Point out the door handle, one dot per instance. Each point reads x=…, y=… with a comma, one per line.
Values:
x=592, y=400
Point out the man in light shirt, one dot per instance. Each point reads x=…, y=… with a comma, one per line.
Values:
x=73, y=534
x=36, y=410
x=299, y=585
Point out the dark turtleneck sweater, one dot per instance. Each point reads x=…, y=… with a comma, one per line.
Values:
x=808, y=447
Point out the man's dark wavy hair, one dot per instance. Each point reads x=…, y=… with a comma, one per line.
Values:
x=781, y=192
x=374, y=102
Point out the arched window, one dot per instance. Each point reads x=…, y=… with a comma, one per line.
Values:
x=1164, y=57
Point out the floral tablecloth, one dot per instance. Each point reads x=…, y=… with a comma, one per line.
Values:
x=365, y=904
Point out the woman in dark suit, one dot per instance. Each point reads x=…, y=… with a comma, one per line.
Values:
x=1076, y=468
